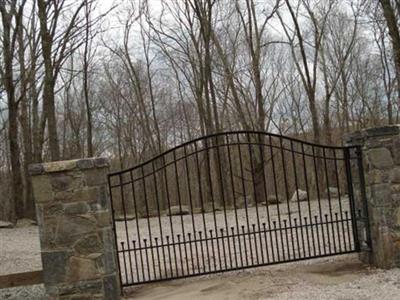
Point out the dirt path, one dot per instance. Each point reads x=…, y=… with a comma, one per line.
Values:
x=342, y=277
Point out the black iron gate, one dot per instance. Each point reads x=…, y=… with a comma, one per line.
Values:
x=236, y=200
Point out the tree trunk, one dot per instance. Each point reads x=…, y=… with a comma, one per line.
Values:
x=86, y=54
x=49, y=107
x=391, y=20
x=29, y=210
x=8, y=82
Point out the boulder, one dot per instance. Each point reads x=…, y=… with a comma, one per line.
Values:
x=218, y=208
x=299, y=195
x=273, y=199
x=243, y=201
x=5, y=224
x=151, y=214
x=129, y=217
x=207, y=208
x=25, y=223
x=197, y=210
x=333, y=192
x=178, y=210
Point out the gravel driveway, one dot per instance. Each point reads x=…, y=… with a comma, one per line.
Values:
x=19, y=250
x=338, y=277
x=257, y=236
x=334, y=278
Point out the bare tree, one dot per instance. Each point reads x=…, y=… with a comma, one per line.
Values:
x=86, y=63
x=55, y=50
x=11, y=17
x=391, y=13
x=307, y=60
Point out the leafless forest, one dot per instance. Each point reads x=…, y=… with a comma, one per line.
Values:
x=131, y=79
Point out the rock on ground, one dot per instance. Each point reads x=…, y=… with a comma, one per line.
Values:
x=5, y=224
x=299, y=195
x=243, y=201
x=333, y=192
x=26, y=223
x=207, y=207
x=128, y=217
x=178, y=210
x=274, y=200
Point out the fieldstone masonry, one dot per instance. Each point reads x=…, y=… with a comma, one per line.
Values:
x=381, y=160
x=76, y=237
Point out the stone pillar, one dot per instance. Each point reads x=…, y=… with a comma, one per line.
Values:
x=381, y=160
x=76, y=236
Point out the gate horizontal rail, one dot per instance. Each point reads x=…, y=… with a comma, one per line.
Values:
x=237, y=235
x=235, y=200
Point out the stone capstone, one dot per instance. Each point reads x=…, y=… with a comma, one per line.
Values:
x=36, y=169
x=83, y=164
x=69, y=165
x=59, y=166
x=101, y=162
x=382, y=132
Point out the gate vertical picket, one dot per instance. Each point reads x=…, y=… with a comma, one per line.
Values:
x=202, y=230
